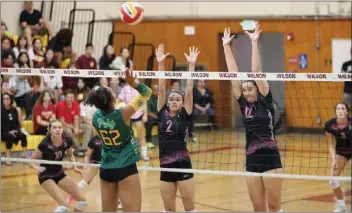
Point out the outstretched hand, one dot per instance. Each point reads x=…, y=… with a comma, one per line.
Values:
x=159, y=53
x=256, y=34
x=227, y=38
x=193, y=54
x=130, y=77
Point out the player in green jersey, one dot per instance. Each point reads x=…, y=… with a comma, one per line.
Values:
x=118, y=170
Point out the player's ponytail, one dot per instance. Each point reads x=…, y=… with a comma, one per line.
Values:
x=100, y=98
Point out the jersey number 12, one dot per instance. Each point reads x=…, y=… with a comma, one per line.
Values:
x=110, y=137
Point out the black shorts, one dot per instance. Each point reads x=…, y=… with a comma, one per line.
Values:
x=176, y=176
x=347, y=155
x=118, y=174
x=263, y=160
x=137, y=119
x=56, y=179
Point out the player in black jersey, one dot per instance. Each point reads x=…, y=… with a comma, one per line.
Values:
x=52, y=177
x=339, y=133
x=93, y=155
x=173, y=119
x=262, y=154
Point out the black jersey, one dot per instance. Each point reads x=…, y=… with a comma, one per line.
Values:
x=9, y=120
x=173, y=136
x=95, y=144
x=258, y=120
x=53, y=152
x=343, y=136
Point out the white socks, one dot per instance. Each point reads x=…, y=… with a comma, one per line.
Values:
x=83, y=184
x=144, y=151
x=341, y=203
x=194, y=210
x=280, y=210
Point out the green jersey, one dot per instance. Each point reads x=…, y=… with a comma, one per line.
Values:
x=120, y=148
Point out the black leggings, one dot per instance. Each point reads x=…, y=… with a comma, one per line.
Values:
x=13, y=139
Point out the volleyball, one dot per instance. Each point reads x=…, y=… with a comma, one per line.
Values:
x=132, y=13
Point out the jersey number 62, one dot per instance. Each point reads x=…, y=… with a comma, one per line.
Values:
x=110, y=137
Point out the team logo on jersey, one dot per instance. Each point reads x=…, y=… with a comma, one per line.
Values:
x=106, y=123
x=139, y=103
x=250, y=112
x=58, y=155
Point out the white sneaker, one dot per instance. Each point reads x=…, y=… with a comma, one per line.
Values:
x=341, y=209
x=119, y=206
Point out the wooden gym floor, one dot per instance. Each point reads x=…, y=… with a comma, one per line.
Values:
x=301, y=154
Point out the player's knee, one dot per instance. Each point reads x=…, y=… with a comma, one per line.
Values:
x=81, y=205
x=61, y=209
x=334, y=184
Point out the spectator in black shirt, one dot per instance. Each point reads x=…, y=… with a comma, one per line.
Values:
x=32, y=22
x=203, y=101
x=10, y=126
x=347, y=90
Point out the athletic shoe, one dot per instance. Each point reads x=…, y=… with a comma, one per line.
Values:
x=119, y=206
x=341, y=209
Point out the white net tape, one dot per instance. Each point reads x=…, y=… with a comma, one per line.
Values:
x=336, y=77
x=197, y=171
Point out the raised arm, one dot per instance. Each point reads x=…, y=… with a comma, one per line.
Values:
x=138, y=101
x=160, y=57
x=263, y=86
x=231, y=61
x=191, y=58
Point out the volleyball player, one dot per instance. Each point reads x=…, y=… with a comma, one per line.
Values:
x=93, y=155
x=53, y=177
x=262, y=154
x=118, y=169
x=339, y=133
x=173, y=119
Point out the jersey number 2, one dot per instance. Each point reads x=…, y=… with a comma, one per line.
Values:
x=169, y=125
x=110, y=137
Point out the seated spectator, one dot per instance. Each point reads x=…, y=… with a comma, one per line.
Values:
x=52, y=83
x=7, y=44
x=116, y=84
x=103, y=82
x=152, y=115
x=32, y=22
x=43, y=113
x=5, y=89
x=86, y=119
x=68, y=112
x=4, y=30
x=123, y=61
x=10, y=126
x=81, y=90
x=7, y=60
x=62, y=40
x=203, y=101
x=23, y=60
x=176, y=84
x=107, y=58
x=87, y=61
x=38, y=53
x=24, y=45
x=25, y=95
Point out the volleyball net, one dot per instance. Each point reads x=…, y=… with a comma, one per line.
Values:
x=303, y=102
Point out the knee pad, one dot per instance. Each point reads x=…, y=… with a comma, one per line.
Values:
x=61, y=209
x=81, y=205
x=334, y=184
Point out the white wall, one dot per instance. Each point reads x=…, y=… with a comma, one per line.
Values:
x=10, y=10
